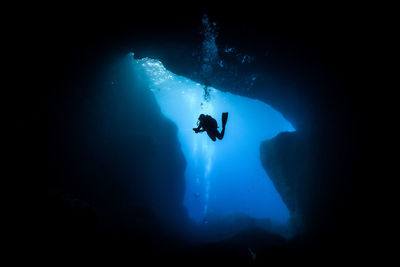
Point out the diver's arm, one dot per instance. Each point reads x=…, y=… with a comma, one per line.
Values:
x=198, y=129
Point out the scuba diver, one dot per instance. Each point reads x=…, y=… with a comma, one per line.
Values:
x=209, y=124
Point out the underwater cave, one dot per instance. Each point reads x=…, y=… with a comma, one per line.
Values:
x=108, y=129
x=223, y=178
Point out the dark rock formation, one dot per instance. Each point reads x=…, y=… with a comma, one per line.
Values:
x=317, y=179
x=110, y=165
x=287, y=160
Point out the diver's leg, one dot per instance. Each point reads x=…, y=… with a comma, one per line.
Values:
x=224, y=120
x=211, y=135
x=221, y=135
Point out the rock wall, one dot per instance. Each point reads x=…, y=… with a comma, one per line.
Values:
x=287, y=160
x=111, y=162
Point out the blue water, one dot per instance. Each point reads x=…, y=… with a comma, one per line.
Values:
x=223, y=177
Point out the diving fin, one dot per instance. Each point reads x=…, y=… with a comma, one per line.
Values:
x=224, y=118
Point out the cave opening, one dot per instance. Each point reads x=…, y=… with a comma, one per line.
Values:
x=223, y=178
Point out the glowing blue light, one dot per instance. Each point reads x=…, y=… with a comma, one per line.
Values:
x=223, y=177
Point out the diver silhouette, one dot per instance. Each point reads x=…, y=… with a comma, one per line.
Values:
x=209, y=124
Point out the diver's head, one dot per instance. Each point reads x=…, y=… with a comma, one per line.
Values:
x=202, y=117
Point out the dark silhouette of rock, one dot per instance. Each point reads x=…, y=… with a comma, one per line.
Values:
x=100, y=146
x=288, y=161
